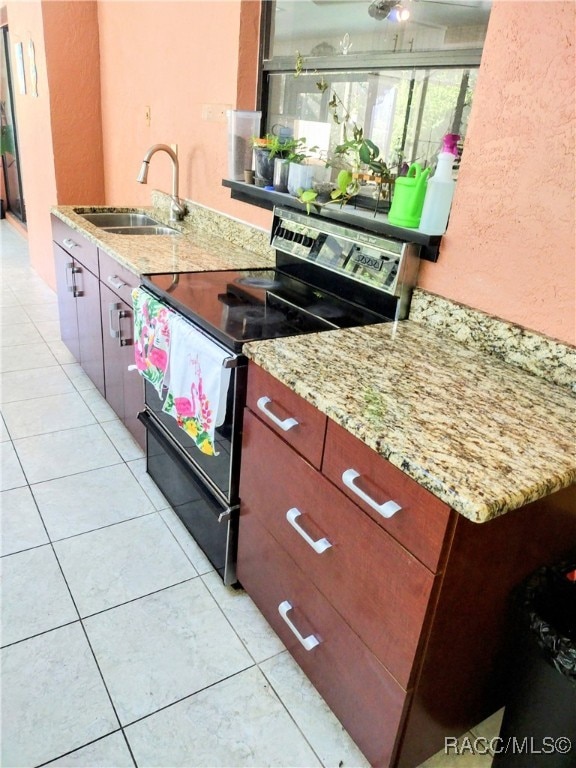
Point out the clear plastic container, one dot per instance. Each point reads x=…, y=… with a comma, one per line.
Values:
x=243, y=126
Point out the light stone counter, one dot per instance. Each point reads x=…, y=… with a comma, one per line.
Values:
x=197, y=249
x=480, y=434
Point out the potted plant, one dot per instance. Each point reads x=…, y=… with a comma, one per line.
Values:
x=263, y=162
x=285, y=151
x=357, y=157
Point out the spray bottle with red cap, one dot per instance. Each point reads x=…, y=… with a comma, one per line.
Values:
x=440, y=189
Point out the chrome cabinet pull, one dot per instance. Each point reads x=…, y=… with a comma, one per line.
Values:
x=115, y=282
x=122, y=314
x=284, y=425
x=76, y=270
x=387, y=509
x=115, y=334
x=320, y=545
x=70, y=243
x=308, y=642
x=70, y=284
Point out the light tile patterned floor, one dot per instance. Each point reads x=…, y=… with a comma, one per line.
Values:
x=121, y=645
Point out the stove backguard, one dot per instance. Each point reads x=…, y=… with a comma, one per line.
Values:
x=359, y=266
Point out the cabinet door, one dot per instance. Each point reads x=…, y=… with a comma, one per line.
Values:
x=89, y=325
x=65, y=275
x=133, y=383
x=124, y=387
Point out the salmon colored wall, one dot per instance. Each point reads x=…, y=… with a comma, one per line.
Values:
x=35, y=137
x=509, y=249
x=176, y=58
x=60, y=130
x=510, y=245
x=71, y=38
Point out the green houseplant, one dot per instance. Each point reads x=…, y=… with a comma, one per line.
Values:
x=273, y=154
x=357, y=157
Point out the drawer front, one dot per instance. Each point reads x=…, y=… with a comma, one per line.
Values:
x=116, y=277
x=423, y=520
x=359, y=690
x=298, y=423
x=75, y=244
x=379, y=588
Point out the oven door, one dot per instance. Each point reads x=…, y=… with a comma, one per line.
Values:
x=220, y=471
x=211, y=522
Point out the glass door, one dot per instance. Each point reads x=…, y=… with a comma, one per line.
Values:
x=14, y=201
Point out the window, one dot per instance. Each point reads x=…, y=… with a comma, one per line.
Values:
x=406, y=83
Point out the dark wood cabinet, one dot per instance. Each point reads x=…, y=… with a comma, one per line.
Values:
x=89, y=325
x=402, y=623
x=64, y=267
x=124, y=385
x=96, y=321
x=377, y=586
x=79, y=302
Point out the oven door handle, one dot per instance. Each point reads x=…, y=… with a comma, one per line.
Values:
x=285, y=424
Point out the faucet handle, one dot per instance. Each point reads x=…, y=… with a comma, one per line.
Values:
x=177, y=210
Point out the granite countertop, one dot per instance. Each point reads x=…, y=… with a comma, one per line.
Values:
x=478, y=433
x=194, y=250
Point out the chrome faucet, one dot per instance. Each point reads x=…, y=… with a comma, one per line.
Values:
x=177, y=209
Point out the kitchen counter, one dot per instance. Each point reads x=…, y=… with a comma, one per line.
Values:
x=481, y=435
x=195, y=250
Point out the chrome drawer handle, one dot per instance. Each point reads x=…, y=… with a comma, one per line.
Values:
x=284, y=425
x=319, y=546
x=115, y=334
x=387, y=509
x=308, y=642
x=70, y=243
x=115, y=282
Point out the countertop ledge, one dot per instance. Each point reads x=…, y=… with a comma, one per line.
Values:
x=481, y=435
x=192, y=250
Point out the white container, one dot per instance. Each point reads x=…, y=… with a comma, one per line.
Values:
x=300, y=176
x=242, y=128
x=439, y=196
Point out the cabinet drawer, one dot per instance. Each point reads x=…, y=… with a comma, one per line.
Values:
x=422, y=521
x=117, y=277
x=75, y=244
x=303, y=426
x=359, y=690
x=378, y=587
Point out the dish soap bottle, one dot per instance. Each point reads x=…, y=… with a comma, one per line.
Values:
x=440, y=190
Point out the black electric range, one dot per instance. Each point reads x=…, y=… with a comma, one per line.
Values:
x=326, y=276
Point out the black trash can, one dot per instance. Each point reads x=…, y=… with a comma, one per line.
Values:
x=539, y=725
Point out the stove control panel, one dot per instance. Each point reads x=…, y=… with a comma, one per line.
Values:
x=386, y=264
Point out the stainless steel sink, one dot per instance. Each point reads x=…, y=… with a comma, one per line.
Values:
x=128, y=223
x=157, y=229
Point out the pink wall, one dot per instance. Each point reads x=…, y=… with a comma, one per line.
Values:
x=510, y=246
x=175, y=57
x=59, y=130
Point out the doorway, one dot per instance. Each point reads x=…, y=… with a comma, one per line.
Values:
x=12, y=192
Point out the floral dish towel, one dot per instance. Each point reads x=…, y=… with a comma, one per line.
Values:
x=152, y=321
x=198, y=384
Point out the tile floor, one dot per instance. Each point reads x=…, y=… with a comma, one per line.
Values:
x=120, y=644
